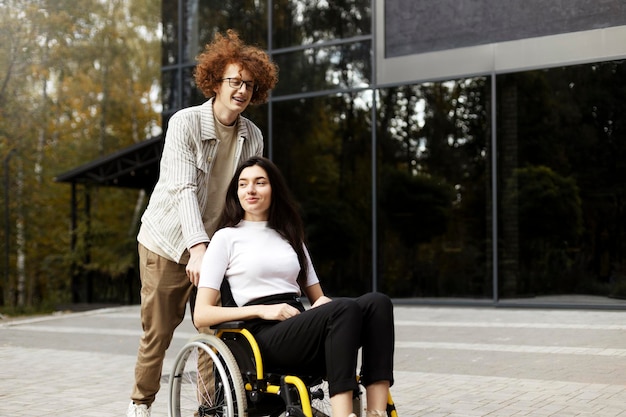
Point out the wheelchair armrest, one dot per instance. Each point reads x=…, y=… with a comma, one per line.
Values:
x=236, y=324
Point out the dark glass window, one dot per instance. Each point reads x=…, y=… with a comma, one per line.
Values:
x=204, y=18
x=434, y=221
x=303, y=22
x=169, y=91
x=192, y=95
x=560, y=138
x=323, y=146
x=326, y=68
x=179, y=91
x=169, y=16
x=562, y=165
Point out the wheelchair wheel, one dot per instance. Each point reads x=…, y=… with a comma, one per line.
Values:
x=320, y=401
x=206, y=381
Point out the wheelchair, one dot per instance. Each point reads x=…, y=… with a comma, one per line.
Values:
x=222, y=375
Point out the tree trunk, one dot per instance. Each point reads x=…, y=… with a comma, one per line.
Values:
x=20, y=236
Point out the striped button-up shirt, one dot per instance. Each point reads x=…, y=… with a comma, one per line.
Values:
x=173, y=219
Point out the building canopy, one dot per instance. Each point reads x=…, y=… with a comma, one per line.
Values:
x=136, y=166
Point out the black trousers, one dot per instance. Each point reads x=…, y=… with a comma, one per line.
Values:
x=324, y=341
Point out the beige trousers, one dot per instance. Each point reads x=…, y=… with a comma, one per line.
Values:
x=165, y=290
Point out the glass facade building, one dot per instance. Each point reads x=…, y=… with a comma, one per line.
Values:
x=434, y=160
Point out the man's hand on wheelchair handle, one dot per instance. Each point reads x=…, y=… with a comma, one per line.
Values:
x=195, y=262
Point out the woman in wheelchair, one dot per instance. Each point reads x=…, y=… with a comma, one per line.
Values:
x=259, y=249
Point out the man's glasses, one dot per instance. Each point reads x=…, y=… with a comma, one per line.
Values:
x=236, y=83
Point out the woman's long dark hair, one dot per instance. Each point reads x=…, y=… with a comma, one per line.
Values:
x=283, y=216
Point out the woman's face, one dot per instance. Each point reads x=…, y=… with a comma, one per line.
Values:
x=255, y=193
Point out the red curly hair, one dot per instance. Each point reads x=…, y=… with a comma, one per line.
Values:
x=230, y=49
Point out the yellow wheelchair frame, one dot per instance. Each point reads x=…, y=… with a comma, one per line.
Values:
x=223, y=375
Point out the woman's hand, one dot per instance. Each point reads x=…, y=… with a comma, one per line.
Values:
x=321, y=300
x=316, y=296
x=278, y=312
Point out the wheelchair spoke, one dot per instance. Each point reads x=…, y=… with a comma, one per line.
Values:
x=206, y=381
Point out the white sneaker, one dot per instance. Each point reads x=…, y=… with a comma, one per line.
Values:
x=137, y=410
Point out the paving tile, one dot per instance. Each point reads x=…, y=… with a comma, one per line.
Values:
x=450, y=362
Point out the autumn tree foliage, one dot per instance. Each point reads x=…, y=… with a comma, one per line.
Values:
x=78, y=80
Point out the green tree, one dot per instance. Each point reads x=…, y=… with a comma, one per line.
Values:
x=78, y=83
x=550, y=223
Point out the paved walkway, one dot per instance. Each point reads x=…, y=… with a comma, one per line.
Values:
x=449, y=362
